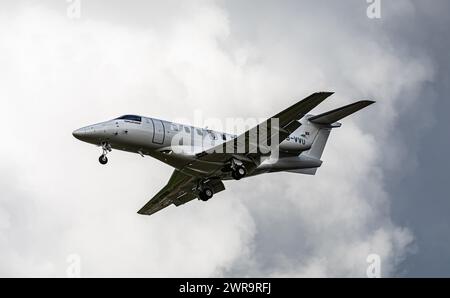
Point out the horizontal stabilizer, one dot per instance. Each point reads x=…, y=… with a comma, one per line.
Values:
x=335, y=115
x=310, y=171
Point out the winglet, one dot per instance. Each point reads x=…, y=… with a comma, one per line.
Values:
x=333, y=116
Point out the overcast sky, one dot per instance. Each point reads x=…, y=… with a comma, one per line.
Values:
x=382, y=189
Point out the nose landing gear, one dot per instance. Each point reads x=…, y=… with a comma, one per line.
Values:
x=103, y=159
x=106, y=148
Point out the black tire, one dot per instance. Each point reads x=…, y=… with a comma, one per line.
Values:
x=103, y=159
x=206, y=194
x=239, y=172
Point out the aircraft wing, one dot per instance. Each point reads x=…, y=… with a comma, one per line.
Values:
x=266, y=131
x=180, y=189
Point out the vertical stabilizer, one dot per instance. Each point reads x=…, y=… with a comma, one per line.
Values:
x=326, y=121
x=319, y=143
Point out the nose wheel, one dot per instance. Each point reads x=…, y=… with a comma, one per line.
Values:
x=106, y=148
x=103, y=159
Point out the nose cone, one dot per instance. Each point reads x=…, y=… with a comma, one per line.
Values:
x=94, y=134
x=79, y=133
x=91, y=134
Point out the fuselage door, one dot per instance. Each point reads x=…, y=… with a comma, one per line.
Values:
x=158, y=131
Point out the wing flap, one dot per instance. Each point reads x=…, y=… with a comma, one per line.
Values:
x=180, y=189
x=177, y=191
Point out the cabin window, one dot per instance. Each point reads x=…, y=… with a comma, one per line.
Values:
x=130, y=117
x=199, y=131
x=224, y=137
x=174, y=127
x=187, y=129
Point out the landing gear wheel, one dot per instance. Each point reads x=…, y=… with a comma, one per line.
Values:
x=106, y=148
x=239, y=172
x=206, y=194
x=103, y=159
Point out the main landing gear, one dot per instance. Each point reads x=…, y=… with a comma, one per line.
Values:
x=205, y=194
x=106, y=148
x=238, y=170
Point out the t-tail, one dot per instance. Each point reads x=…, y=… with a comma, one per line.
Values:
x=320, y=126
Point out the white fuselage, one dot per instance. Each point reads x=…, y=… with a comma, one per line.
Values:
x=178, y=145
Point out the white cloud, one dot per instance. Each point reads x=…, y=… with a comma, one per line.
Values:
x=59, y=74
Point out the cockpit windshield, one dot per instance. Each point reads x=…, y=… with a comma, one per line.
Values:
x=130, y=117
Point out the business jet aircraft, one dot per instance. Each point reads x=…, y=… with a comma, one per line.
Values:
x=291, y=141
